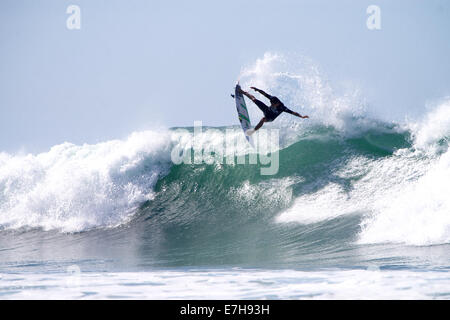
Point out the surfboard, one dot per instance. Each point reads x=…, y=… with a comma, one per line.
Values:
x=242, y=111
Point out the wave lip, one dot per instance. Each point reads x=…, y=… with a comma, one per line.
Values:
x=302, y=86
x=434, y=128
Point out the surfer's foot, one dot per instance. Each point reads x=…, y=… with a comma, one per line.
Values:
x=249, y=132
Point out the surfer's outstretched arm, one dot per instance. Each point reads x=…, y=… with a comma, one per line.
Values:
x=295, y=113
x=268, y=96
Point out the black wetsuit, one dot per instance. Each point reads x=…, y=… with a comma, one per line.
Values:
x=271, y=113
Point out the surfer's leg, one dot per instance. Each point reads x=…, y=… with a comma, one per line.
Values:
x=262, y=106
x=261, y=122
x=249, y=96
x=249, y=132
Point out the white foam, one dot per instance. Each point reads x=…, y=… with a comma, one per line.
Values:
x=327, y=203
x=74, y=188
x=403, y=198
x=372, y=283
x=417, y=211
x=302, y=86
x=434, y=126
x=416, y=214
x=271, y=193
x=377, y=180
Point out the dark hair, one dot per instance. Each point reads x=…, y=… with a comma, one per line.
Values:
x=275, y=100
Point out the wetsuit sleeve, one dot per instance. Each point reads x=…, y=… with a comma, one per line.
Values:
x=288, y=110
x=268, y=96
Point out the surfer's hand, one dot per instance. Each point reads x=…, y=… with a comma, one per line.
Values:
x=254, y=88
x=304, y=117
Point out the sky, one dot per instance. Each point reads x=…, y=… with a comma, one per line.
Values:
x=136, y=65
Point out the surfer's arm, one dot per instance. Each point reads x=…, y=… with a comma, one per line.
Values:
x=268, y=96
x=295, y=113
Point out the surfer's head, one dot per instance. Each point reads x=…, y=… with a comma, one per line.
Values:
x=275, y=102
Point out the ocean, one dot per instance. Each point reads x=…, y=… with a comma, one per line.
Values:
x=360, y=215
x=354, y=206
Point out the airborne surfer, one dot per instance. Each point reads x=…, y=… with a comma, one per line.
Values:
x=270, y=113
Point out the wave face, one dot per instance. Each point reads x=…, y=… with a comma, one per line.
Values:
x=345, y=181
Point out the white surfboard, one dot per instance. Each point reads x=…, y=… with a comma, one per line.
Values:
x=242, y=111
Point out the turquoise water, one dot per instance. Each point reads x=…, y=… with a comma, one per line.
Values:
x=344, y=207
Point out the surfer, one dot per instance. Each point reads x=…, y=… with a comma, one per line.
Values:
x=270, y=113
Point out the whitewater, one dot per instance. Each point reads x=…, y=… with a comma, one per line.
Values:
x=358, y=208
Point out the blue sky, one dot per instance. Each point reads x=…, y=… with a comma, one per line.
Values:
x=137, y=65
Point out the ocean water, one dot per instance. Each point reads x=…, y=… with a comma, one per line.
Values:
x=359, y=209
